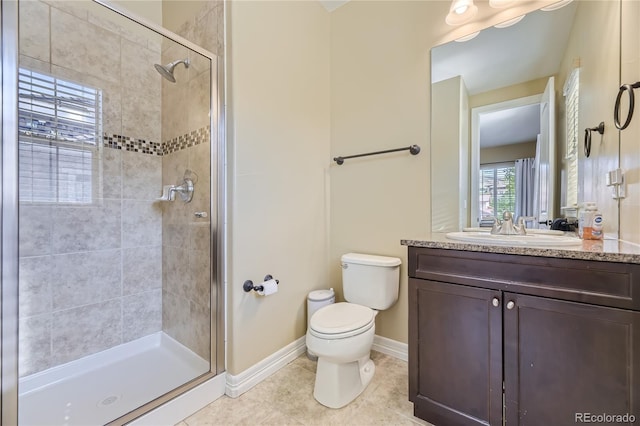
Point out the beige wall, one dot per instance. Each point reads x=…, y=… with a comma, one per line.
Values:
x=630, y=137
x=501, y=154
x=278, y=128
x=380, y=100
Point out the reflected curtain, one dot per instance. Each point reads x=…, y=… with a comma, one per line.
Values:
x=525, y=175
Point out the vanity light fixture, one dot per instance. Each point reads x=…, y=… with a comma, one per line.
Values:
x=467, y=37
x=556, y=6
x=510, y=22
x=461, y=12
x=500, y=4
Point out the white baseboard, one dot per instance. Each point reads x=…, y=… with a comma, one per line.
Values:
x=239, y=384
x=391, y=347
x=184, y=405
x=188, y=403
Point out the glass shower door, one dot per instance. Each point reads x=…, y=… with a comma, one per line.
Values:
x=115, y=207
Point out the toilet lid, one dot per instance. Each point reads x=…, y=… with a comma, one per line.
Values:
x=341, y=318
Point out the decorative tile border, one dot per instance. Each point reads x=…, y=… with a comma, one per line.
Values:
x=179, y=143
x=129, y=144
x=193, y=138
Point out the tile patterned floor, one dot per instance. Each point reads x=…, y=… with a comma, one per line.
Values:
x=286, y=398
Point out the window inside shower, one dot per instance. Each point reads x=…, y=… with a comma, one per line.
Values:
x=116, y=307
x=58, y=126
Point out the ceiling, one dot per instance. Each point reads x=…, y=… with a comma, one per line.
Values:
x=529, y=50
x=510, y=126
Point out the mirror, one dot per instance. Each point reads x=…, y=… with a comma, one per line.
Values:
x=526, y=91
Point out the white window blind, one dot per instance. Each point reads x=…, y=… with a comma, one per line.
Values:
x=58, y=131
x=497, y=192
x=571, y=94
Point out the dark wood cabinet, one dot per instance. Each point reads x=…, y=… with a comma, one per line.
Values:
x=565, y=358
x=457, y=356
x=486, y=345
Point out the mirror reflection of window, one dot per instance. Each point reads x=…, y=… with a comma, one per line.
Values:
x=571, y=94
x=497, y=192
x=58, y=131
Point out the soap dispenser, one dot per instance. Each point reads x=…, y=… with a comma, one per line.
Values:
x=590, y=222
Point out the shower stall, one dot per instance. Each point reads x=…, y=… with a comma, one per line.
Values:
x=112, y=211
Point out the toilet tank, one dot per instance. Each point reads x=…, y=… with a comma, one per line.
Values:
x=370, y=280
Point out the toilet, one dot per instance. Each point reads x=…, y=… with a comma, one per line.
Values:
x=341, y=334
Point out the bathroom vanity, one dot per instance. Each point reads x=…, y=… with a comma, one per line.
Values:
x=526, y=336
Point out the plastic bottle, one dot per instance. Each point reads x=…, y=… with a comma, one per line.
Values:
x=590, y=222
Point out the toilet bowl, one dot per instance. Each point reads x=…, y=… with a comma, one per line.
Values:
x=341, y=335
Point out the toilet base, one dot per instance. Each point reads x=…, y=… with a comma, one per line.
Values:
x=339, y=384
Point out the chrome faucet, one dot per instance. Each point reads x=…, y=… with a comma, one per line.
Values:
x=184, y=189
x=522, y=220
x=506, y=226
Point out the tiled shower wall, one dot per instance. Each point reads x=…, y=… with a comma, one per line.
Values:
x=186, y=247
x=91, y=275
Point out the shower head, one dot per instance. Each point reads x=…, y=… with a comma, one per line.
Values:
x=167, y=70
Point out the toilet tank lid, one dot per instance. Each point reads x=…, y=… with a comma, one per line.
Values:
x=370, y=259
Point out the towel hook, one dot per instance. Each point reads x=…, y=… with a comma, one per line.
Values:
x=587, y=137
x=616, y=110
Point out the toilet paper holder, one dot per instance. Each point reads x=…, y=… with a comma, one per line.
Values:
x=248, y=284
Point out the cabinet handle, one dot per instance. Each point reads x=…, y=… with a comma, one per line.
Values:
x=510, y=304
x=495, y=302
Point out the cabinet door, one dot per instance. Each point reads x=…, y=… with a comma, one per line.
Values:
x=455, y=353
x=566, y=359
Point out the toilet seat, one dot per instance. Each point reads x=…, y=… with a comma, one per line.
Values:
x=341, y=320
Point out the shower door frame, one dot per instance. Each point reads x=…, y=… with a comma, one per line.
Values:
x=9, y=215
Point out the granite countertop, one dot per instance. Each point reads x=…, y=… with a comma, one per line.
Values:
x=600, y=250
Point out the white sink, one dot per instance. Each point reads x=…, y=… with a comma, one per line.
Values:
x=529, y=231
x=529, y=240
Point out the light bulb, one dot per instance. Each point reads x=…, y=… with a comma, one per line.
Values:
x=461, y=12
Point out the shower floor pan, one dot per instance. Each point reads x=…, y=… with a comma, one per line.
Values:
x=99, y=388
